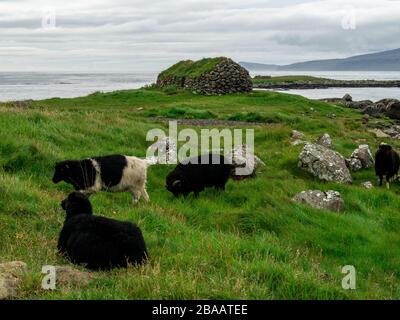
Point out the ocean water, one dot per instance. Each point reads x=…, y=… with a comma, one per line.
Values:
x=21, y=85
x=373, y=94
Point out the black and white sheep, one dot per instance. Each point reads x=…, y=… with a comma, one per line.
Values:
x=99, y=243
x=197, y=173
x=387, y=163
x=115, y=173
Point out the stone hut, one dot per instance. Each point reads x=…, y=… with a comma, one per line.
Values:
x=210, y=76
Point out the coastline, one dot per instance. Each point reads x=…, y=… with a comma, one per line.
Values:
x=328, y=84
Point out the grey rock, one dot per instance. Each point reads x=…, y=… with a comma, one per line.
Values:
x=243, y=155
x=354, y=164
x=359, y=104
x=330, y=200
x=372, y=110
x=10, y=278
x=393, y=110
x=347, y=97
x=325, y=140
x=364, y=154
x=324, y=163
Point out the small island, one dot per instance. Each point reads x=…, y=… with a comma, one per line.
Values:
x=309, y=82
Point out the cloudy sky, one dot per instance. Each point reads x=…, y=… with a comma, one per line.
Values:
x=148, y=35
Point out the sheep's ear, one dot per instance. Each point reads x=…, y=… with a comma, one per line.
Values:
x=67, y=166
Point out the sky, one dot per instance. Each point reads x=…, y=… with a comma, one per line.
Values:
x=149, y=35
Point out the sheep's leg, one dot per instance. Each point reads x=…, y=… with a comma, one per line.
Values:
x=380, y=180
x=387, y=182
x=145, y=195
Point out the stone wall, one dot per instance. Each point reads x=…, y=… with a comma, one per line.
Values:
x=226, y=77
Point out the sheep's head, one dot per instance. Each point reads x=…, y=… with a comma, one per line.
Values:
x=62, y=171
x=175, y=184
x=76, y=203
x=385, y=148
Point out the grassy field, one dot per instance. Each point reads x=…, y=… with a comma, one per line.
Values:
x=250, y=242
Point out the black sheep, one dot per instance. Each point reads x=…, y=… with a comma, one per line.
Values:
x=197, y=173
x=97, y=242
x=387, y=163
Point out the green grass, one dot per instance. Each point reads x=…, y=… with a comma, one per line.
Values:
x=250, y=242
x=180, y=113
x=191, y=69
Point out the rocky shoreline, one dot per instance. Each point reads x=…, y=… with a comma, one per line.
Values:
x=385, y=107
x=328, y=84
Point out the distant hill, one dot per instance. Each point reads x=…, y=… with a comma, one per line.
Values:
x=258, y=66
x=381, y=61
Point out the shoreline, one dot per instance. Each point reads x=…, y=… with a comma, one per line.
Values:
x=328, y=85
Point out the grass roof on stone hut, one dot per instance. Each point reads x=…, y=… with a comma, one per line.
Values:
x=191, y=69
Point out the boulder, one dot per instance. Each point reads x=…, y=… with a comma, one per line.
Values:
x=10, y=278
x=324, y=163
x=363, y=153
x=372, y=110
x=347, y=97
x=359, y=104
x=330, y=200
x=393, y=110
x=354, y=164
x=386, y=102
x=242, y=155
x=325, y=140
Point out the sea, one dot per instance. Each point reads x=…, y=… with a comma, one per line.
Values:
x=40, y=85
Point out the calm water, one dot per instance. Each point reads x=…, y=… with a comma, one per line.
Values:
x=20, y=86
